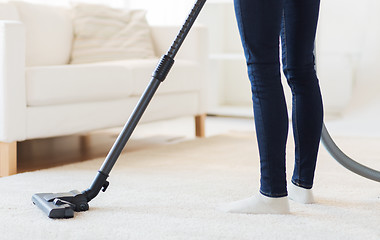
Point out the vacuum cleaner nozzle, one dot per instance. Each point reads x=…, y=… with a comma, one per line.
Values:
x=61, y=205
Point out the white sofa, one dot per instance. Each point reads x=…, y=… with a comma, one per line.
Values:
x=45, y=99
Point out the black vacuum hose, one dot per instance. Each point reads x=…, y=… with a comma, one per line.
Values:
x=345, y=160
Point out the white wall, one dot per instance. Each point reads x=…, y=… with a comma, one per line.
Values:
x=368, y=68
x=349, y=52
x=159, y=11
x=112, y=3
x=171, y=12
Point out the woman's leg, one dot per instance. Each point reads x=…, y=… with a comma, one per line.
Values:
x=259, y=23
x=299, y=25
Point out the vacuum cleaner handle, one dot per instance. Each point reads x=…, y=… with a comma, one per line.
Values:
x=158, y=76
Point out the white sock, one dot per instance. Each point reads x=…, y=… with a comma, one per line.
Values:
x=300, y=194
x=258, y=204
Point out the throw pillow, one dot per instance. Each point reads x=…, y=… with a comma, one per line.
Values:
x=49, y=33
x=105, y=34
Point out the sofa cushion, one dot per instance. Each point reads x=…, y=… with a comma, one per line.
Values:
x=66, y=84
x=48, y=33
x=104, y=81
x=105, y=34
x=183, y=77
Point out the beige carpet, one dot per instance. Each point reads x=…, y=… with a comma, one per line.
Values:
x=171, y=191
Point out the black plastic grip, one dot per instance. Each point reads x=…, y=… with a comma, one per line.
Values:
x=163, y=68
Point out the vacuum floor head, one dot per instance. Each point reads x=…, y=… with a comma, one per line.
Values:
x=61, y=205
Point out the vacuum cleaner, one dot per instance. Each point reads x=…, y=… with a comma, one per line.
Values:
x=63, y=205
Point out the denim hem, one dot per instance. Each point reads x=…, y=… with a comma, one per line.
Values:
x=277, y=195
x=307, y=186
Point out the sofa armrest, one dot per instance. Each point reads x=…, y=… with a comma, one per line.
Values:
x=195, y=46
x=12, y=81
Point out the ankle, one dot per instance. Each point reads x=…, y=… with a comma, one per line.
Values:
x=300, y=194
x=278, y=204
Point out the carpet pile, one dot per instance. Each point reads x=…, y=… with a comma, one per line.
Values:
x=172, y=191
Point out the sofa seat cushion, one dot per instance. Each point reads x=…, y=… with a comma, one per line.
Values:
x=65, y=84
x=183, y=77
x=69, y=84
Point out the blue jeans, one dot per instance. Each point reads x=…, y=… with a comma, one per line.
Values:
x=261, y=23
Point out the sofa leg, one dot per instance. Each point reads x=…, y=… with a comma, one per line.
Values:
x=85, y=142
x=200, y=125
x=8, y=158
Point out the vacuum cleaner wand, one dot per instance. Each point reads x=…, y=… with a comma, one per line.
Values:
x=63, y=205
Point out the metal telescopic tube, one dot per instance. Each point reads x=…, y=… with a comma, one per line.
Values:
x=158, y=76
x=149, y=92
x=129, y=126
x=186, y=28
x=100, y=182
